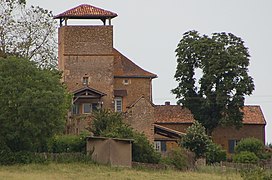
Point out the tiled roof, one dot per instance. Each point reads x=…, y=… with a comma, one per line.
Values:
x=86, y=11
x=173, y=114
x=123, y=67
x=179, y=114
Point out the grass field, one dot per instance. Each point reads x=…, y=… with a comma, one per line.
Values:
x=91, y=171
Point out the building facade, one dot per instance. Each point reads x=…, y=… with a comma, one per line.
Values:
x=99, y=76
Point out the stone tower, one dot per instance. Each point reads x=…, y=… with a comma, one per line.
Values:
x=86, y=57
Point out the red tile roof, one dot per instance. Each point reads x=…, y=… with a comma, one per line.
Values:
x=86, y=11
x=179, y=114
x=123, y=67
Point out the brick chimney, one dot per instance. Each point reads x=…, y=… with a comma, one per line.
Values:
x=167, y=103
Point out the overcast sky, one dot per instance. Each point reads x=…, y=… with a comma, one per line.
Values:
x=148, y=31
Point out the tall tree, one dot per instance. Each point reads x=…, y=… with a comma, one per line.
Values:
x=28, y=32
x=33, y=104
x=212, y=76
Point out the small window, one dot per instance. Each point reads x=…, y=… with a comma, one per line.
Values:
x=87, y=108
x=125, y=81
x=85, y=80
x=232, y=144
x=160, y=146
x=75, y=109
x=118, y=104
x=157, y=146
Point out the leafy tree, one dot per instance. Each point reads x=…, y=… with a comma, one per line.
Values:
x=221, y=61
x=196, y=140
x=110, y=124
x=33, y=104
x=28, y=32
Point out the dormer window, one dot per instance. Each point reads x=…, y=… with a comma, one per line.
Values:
x=85, y=80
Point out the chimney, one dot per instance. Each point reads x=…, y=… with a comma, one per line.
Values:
x=167, y=103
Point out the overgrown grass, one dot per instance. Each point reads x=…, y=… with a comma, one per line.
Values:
x=93, y=171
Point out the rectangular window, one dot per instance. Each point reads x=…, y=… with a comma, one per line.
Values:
x=87, y=108
x=157, y=146
x=118, y=104
x=160, y=146
x=232, y=144
x=75, y=109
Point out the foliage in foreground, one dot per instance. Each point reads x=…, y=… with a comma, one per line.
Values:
x=245, y=157
x=33, y=105
x=67, y=143
x=218, y=95
x=251, y=145
x=110, y=124
x=178, y=158
x=197, y=141
x=256, y=173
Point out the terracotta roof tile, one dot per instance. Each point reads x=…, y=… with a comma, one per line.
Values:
x=123, y=67
x=173, y=114
x=253, y=115
x=179, y=114
x=86, y=11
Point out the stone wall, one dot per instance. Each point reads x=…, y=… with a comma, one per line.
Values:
x=141, y=118
x=136, y=87
x=86, y=51
x=222, y=135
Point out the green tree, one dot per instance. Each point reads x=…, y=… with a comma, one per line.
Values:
x=110, y=124
x=221, y=61
x=196, y=140
x=28, y=32
x=33, y=104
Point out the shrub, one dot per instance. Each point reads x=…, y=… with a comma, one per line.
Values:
x=143, y=151
x=245, y=157
x=67, y=143
x=196, y=140
x=176, y=157
x=215, y=154
x=251, y=145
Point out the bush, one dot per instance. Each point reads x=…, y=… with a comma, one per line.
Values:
x=67, y=143
x=196, y=140
x=215, y=154
x=176, y=157
x=251, y=145
x=245, y=157
x=143, y=151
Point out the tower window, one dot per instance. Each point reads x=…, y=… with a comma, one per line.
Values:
x=118, y=104
x=85, y=80
x=87, y=108
x=126, y=82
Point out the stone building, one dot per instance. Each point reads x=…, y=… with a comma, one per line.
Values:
x=99, y=76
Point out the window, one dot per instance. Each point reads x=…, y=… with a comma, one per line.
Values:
x=160, y=146
x=118, y=104
x=157, y=145
x=87, y=108
x=232, y=144
x=75, y=109
x=85, y=80
x=125, y=81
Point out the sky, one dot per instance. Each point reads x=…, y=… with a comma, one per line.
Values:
x=148, y=31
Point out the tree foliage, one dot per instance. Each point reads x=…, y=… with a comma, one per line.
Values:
x=33, y=104
x=196, y=140
x=221, y=61
x=251, y=145
x=110, y=124
x=28, y=32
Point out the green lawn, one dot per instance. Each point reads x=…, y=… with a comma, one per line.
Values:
x=90, y=171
